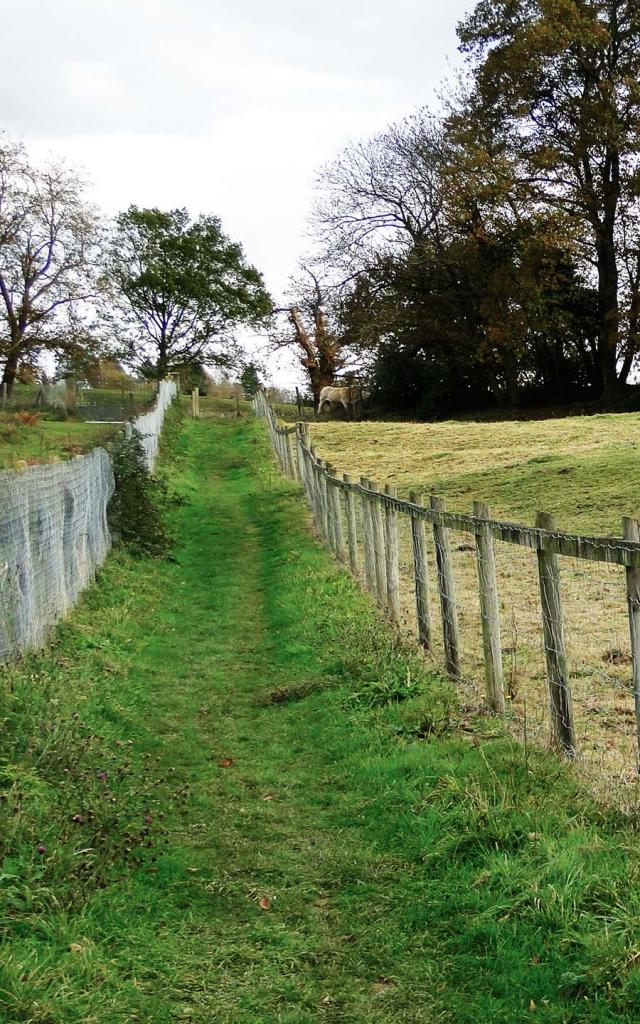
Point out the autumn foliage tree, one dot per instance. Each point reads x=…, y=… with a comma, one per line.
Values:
x=562, y=79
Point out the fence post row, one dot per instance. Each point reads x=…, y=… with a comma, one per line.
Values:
x=562, y=729
x=380, y=561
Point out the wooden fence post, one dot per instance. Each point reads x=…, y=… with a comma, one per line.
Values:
x=631, y=532
x=368, y=538
x=420, y=572
x=489, y=610
x=392, y=560
x=352, y=524
x=562, y=729
x=324, y=504
x=331, y=509
x=336, y=511
x=315, y=477
x=195, y=403
x=379, y=547
x=447, y=593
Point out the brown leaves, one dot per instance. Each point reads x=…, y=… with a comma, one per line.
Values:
x=264, y=902
x=226, y=762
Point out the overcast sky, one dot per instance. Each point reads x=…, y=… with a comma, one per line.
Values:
x=222, y=107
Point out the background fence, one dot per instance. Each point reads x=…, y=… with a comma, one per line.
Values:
x=99, y=401
x=54, y=533
x=533, y=623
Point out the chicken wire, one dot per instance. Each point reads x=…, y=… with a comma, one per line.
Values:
x=149, y=425
x=54, y=533
x=53, y=537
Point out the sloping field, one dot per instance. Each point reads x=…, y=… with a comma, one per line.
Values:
x=230, y=795
x=586, y=471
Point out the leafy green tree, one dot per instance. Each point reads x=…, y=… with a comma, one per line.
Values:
x=179, y=288
x=250, y=381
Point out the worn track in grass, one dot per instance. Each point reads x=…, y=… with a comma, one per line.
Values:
x=332, y=853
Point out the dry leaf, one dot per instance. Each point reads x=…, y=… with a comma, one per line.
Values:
x=226, y=762
x=265, y=903
x=532, y=1006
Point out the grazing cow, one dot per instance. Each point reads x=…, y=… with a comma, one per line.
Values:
x=335, y=396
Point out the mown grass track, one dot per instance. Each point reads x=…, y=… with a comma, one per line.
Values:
x=267, y=832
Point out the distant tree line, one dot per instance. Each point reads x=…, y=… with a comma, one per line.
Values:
x=490, y=255
x=154, y=291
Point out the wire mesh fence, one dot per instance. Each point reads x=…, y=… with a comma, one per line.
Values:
x=97, y=400
x=532, y=623
x=54, y=533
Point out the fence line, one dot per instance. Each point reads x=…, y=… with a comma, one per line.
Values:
x=54, y=533
x=592, y=707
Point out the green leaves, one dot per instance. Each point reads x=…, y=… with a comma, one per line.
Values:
x=179, y=289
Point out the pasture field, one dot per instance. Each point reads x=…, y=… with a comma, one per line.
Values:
x=48, y=439
x=230, y=793
x=585, y=470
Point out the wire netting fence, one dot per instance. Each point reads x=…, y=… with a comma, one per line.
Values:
x=54, y=533
x=532, y=623
x=98, y=401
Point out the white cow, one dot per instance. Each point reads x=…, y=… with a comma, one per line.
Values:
x=335, y=396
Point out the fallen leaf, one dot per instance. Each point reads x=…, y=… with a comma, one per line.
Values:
x=265, y=903
x=532, y=1006
x=75, y=947
x=269, y=797
x=226, y=762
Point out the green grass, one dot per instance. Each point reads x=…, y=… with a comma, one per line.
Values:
x=48, y=439
x=584, y=469
x=257, y=807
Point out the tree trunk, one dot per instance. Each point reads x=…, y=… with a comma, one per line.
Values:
x=11, y=369
x=609, y=335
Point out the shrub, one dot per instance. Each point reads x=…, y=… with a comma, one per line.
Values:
x=136, y=511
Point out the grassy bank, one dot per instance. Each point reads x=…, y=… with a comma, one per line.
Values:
x=44, y=440
x=584, y=469
x=229, y=795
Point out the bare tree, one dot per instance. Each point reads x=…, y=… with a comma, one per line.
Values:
x=314, y=330
x=48, y=247
x=383, y=195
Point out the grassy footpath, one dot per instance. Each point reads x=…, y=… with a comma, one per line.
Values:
x=227, y=796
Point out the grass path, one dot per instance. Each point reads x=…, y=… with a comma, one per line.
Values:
x=215, y=807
